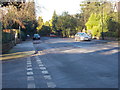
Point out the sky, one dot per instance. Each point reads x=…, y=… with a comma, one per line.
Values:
x=45, y=8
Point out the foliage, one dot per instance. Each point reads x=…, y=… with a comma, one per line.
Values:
x=98, y=23
x=45, y=30
x=95, y=7
x=8, y=36
x=54, y=21
x=99, y=17
x=40, y=23
x=23, y=16
x=67, y=24
x=87, y=8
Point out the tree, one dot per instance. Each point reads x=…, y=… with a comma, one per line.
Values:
x=47, y=23
x=98, y=24
x=43, y=28
x=94, y=7
x=40, y=23
x=88, y=8
x=66, y=24
x=54, y=21
x=80, y=25
x=20, y=14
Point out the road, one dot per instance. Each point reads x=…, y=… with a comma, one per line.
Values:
x=61, y=63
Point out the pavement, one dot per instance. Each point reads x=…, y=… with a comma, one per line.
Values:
x=61, y=63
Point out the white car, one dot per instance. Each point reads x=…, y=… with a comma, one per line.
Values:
x=81, y=36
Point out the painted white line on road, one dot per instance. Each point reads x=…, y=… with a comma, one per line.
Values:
x=30, y=78
x=38, y=60
x=48, y=77
x=29, y=66
x=31, y=85
x=51, y=85
x=30, y=73
x=45, y=72
x=43, y=68
x=41, y=65
x=28, y=61
x=29, y=69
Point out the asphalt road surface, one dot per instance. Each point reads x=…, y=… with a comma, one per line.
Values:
x=61, y=63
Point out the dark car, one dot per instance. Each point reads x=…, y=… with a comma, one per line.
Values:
x=36, y=37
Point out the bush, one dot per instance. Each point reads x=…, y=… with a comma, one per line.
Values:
x=6, y=37
x=23, y=36
x=111, y=34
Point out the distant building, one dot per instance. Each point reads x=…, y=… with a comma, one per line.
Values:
x=116, y=6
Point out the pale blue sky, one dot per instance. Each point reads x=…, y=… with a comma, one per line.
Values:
x=45, y=8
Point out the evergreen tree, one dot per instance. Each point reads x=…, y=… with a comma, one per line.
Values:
x=97, y=24
x=40, y=23
x=54, y=21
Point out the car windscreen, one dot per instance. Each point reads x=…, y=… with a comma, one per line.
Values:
x=36, y=35
x=83, y=34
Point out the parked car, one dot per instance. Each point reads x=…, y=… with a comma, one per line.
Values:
x=36, y=37
x=81, y=36
x=53, y=35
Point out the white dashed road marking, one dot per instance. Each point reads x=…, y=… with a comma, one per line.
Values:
x=48, y=77
x=29, y=65
x=38, y=60
x=41, y=65
x=29, y=69
x=43, y=68
x=31, y=85
x=51, y=85
x=45, y=73
x=30, y=78
x=30, y=73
